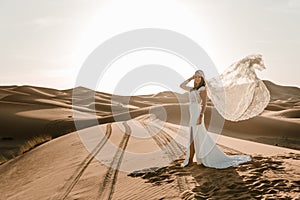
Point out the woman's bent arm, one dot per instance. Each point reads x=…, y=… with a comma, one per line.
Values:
x=184, y=86
x=203, y=95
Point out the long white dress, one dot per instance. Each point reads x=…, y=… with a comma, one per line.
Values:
x=238, y=94
x=206, y=150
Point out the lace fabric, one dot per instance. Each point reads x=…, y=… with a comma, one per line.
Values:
x=194, y=95
x=238, y=94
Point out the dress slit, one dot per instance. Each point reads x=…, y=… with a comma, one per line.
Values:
x=204, y=147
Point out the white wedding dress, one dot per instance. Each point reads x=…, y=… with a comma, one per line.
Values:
x=246, y=96
x=206, y=150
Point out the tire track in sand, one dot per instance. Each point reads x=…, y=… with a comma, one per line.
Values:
x=107, y=187
x=171, y=148
x=67, y=188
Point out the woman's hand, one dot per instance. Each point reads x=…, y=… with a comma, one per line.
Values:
x=200, y=119
x=191, y=78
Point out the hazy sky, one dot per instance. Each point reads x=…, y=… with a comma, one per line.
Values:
x=45, y=42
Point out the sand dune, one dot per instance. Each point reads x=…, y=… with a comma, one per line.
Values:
x=101, y=157
x=35, y=109
x=282, y=92
x=290, y=113
x=99, y=170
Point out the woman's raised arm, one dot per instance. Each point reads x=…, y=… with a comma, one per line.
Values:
x=184, y=86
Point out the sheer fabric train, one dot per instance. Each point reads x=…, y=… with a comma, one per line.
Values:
x=228, y=96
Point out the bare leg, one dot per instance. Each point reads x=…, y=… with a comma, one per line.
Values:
x=191, y=153
x=192, y=150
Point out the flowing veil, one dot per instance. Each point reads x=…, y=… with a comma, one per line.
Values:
x=238, y=94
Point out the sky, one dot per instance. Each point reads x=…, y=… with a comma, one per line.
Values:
x=46, y=42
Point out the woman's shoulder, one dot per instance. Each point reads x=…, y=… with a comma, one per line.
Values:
x=202, y=88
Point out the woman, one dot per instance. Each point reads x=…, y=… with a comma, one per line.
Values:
x=199, y=141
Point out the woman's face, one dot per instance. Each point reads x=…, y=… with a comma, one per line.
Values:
x=197, y=78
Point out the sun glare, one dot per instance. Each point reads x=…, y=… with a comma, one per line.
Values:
x=113, y=19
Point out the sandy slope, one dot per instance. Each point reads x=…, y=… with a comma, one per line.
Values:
x=28, y=111
x=108, y=161
x=91, y=163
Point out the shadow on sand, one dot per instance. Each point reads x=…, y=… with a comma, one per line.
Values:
x=246, y=181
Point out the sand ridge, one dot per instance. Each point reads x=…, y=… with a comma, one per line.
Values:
x=132, y=147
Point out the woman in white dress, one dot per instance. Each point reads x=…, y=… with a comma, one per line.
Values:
x=200, y=143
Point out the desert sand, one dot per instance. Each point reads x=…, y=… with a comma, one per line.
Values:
x=131, y=147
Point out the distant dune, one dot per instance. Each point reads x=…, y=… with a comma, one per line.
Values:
x=29, y=111
x=43, y=156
